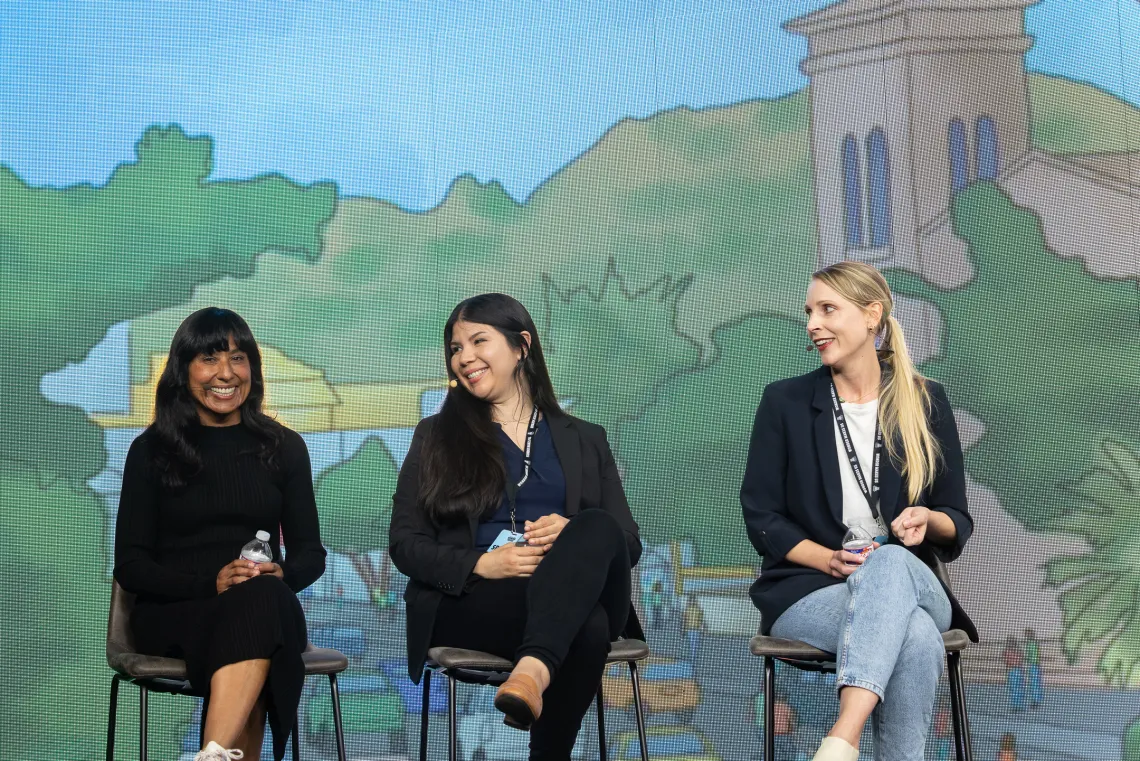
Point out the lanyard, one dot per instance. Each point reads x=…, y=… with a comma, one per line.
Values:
x=513, y=488
x=870, y=492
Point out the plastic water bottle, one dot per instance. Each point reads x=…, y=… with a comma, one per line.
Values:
x=858, y=540
x=258, y=549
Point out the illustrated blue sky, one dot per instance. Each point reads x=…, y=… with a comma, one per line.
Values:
x=395, y=98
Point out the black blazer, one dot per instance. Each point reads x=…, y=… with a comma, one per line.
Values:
x=439, y=559
x=792, y=491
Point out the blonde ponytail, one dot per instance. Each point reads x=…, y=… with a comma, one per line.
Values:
x=904, y=412
x=904, y=401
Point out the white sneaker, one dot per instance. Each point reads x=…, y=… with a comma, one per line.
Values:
x=215, y=752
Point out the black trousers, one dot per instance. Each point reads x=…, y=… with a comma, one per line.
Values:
x=565, y=615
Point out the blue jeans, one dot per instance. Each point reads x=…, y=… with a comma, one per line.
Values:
x=885, y=625
x=694, y=638
x=1015, y=684
x=1036, y=691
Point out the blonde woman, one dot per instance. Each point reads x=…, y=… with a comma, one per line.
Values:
x=864, y=440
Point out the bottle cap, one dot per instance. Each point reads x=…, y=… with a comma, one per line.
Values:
x=263, y=536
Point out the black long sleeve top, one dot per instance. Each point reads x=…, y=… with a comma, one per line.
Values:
x=170, y=544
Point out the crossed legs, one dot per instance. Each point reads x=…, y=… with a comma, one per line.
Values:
x=236, y=714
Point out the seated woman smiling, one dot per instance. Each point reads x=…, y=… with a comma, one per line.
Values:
x=209, y=473
x=510, y=521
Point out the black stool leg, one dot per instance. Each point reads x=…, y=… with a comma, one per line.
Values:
x=955, y=715
x=769, y=709
x=962, y=745
x=601, y=726
x=638, y=711
x=202, y=724
x=452, y=722
x=424, y=708
x=337, y=724
x=142, y=722
x=297, y=739
x=112, y=714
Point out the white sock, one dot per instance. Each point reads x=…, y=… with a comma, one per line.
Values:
x=836, y=749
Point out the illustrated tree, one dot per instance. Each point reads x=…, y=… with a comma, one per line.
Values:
x=685, y=455
x=715, y=202
x=1098, y=590
x=75, y=262
x=53, y=676
x=354, y=500
x=81, y=259
x=1130, y=743
x=609, y=351
x=1033, y=346
x=1039, y=350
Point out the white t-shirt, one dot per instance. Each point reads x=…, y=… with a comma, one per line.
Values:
x=861, y=420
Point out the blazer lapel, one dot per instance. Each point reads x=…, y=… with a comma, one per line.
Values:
x=568, y=447
x=825, y=445
x=890, y=486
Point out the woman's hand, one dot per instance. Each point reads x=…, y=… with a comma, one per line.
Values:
x=842, y=563
x=910, y=525
x=272, y=569
x=543, y=532
x=236, y=572
x=508, y=561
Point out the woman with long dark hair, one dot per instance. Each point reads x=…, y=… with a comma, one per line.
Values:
x=510, y=520
x=863, y=442
x=210, y=472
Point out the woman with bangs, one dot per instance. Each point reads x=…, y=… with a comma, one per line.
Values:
x=209, y=473
x=864, y=441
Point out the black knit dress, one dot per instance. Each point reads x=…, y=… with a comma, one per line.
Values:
x=171, y=544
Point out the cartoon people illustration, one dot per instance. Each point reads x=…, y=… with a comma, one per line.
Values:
x=1033, y=669
x=1014, y=674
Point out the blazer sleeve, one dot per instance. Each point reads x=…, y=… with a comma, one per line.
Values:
x=413, y=539
x=948, y=492
x=615, y=502
x=771, y=529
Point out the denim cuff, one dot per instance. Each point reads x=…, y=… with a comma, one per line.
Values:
x=843, y=680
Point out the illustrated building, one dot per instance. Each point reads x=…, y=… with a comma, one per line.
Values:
x=914, y=100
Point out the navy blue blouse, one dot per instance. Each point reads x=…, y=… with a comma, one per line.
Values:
x=543, y=493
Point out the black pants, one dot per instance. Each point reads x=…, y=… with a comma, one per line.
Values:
x=565, y=615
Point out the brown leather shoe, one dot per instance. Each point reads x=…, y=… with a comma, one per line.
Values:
x=520, y=701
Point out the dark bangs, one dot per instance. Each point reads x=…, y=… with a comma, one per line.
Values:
x=208, y=331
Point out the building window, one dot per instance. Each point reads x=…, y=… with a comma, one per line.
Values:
x=852, y=193
x=879, y=187
x=959, y=157
x=989, y=156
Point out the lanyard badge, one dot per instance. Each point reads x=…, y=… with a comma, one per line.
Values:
x=871, y=490
x=513, y=488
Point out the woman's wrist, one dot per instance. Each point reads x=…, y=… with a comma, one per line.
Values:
x=940, y=528
x=811, y=555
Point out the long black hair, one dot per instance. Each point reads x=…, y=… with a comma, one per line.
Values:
x=177, y=458
x=462, y=462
